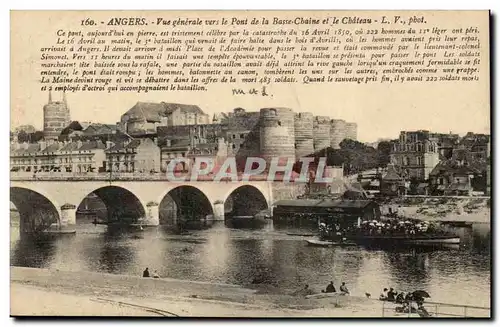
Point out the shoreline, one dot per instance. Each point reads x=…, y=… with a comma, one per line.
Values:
x=100, y=294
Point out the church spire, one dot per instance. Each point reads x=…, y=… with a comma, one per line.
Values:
x=50, y=96
x=64, y=98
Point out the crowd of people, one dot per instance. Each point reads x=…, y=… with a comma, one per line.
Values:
x=394, y=227
x=406, y=301
x=333, y=231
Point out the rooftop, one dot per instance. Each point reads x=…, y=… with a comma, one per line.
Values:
x=152, y=111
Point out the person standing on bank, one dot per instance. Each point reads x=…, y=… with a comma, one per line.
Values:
x=145, y=273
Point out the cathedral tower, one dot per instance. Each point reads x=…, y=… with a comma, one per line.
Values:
x=55, y=117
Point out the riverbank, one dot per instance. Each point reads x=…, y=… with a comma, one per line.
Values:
x=471, y=209
x=52, y=292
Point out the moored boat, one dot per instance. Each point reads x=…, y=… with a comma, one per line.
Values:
x=423, y=239
x=300, y=234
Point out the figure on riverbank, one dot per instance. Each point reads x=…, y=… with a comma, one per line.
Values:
x=391, y=295
x=155, y=274
x=145, y=273
x=384, y=295
x=400, y=298
x=343, y=289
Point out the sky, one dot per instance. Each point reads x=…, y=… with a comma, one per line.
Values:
x=381, y=110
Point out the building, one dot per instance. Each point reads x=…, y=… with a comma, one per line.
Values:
x=57, y=156
x=133, y=156
x=191, y=141
x=145, y=117
x=446, y=144
x=473, y=147
x=242, y=130
x=393, y=182
x=56, y=117
x=416, y=154
x=452, y=177
x=350, y=212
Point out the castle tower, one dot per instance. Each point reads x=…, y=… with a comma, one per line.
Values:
x=304, y=143
x=55, y=117
x=277, y=133
x=321, y=132
x=351, y=131
x=337, y=132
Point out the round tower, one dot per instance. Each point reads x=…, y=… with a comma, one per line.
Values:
x=337, y=132
x=277, y=133
x=351, y=131
x=321, y=132
x=55, y=118
x=304, y=143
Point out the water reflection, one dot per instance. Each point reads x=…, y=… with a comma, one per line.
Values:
x=408, y=269
x=36, y=253
x=266, y=257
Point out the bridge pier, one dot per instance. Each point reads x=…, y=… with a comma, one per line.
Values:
x=219, y=211
x=152, y=217
x=68, y=216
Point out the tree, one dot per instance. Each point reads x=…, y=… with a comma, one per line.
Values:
x=384, y=149
x=22, y=137
x=36, y=136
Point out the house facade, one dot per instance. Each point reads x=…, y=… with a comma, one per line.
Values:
x=133, y=156
x=416, y=154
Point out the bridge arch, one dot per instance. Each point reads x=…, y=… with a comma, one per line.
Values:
x=245, y=200
x=121, y=204
x=37, y=210
x=184, y=202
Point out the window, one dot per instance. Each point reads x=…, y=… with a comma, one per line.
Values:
x=242, y=136
x=419, y=161
x=441, y=181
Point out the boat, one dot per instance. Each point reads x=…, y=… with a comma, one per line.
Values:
x=328, y=243
x=419, y=240
x=301, y=234
x=454, y=223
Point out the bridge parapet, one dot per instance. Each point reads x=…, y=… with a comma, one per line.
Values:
x=23, y=176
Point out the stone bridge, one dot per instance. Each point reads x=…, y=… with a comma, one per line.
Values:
x=37, y=198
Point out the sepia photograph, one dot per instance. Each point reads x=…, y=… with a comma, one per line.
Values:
x=250, y=164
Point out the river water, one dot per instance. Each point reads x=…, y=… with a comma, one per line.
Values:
x=265, y=256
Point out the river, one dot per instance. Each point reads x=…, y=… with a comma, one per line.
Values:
x=265, y=256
